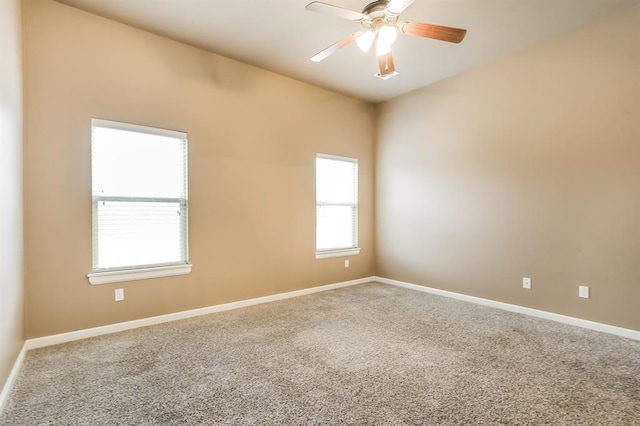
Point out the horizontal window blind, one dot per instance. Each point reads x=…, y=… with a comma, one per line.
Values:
x=139, y=186
x=336, y=203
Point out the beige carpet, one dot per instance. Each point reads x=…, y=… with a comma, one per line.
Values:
x=362, y=355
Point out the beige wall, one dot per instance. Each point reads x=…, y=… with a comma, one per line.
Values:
x=11, y=271
x=253, y=136
x=529, y=166
x=525, y=167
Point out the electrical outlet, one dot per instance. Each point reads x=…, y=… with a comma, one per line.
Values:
x=526, y=282
x=346, y=263
x=119, y=294
x=583, y=291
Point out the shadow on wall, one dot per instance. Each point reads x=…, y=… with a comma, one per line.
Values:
x=198, y=65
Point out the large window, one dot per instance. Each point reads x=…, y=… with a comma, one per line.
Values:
x=139, y=186
x=336, y=206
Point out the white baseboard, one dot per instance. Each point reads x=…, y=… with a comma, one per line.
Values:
x=114, y=328
x=55, y=339
x=591, y=325
x=13, y=375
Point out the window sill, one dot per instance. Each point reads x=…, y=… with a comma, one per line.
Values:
x=337, y=253
x=137, y=274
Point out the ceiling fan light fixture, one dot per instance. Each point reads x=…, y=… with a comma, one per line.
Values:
x=382, y=49
x=366, y=40
x=395, y=7
x=386, y=36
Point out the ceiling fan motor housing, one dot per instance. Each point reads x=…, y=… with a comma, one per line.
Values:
x=376, y=6
x=377, y=15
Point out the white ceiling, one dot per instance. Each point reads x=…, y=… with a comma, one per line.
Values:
x=281, y=36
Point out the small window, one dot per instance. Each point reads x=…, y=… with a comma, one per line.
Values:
x=336, y=206
x=140, y=215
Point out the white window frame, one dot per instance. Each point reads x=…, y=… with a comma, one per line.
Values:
x=347, y=251
x=139, y=272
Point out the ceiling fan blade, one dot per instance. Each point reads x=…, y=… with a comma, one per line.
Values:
x=438, y=32
x=395, y=7
x=335, y=47
x=385, y=64
x=340, y=12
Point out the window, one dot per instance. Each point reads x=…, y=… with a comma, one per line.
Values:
x=139, y=195
x=336, y=206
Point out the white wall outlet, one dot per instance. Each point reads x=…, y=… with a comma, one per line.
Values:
x=583, y=291
x=119, y=294
x=346, y=263
x=526, y=282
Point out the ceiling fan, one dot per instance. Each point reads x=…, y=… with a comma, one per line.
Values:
x=381, y=25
